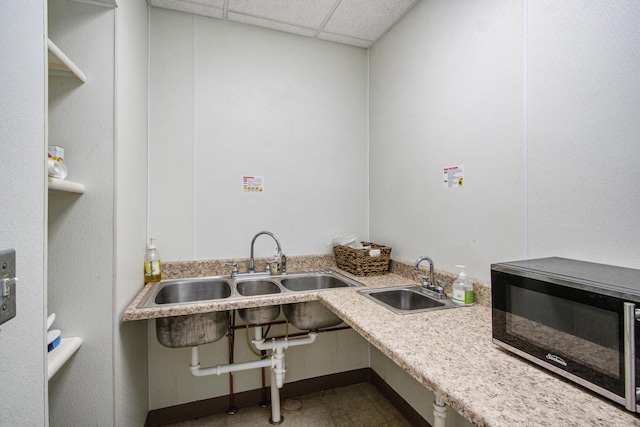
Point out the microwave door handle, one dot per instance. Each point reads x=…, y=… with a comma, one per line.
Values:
x=631, y=315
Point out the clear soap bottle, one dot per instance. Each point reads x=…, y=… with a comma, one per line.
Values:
x=152, y=265
x=462, y=289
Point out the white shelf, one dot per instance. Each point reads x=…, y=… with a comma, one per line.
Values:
x=61, y=354
x=60, y=64
x=64, y=185
x=105, y=3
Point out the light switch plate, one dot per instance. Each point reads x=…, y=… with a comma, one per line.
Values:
x=7, y=285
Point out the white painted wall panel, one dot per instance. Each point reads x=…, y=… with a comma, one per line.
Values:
x=230, y=100
x=447, y=89
x=584, y=130
x=171, y=124
x=81, y=235
x=23, y=209
x=131, y=362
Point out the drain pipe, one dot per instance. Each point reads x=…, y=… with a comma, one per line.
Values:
x=439, y=412
x=277, y=348
x=224, y=369
x=275, y=362
x=231, y=341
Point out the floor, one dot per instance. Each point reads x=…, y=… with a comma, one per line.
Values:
x=351, y=406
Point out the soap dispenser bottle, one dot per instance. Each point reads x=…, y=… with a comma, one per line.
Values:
x=462, y=289
x=276, y=264
x=152, y=266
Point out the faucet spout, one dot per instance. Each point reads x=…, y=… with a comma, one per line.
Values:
x=432, y=281
x=252, y=266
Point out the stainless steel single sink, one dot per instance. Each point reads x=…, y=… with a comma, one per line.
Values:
x=406, y=300
x=258, y=315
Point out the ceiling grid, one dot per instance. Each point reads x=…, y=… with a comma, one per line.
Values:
x=357, y=23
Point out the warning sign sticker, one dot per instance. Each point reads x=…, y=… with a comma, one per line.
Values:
x=252, y=184
x=453, y=177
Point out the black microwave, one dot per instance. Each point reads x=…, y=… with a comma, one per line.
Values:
x=577, y=319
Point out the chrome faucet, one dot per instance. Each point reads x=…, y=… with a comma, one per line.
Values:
x=252, y=266
x=429, y=284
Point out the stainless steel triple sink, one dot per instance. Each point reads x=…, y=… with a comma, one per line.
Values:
x=201, y=328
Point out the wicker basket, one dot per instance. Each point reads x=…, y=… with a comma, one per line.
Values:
x=360, y=263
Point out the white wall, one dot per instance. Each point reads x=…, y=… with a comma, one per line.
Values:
x=539, y=101
x=130, y=338
x=228, y=100
x=22, y=211
x=583, y=114
x=81, y=233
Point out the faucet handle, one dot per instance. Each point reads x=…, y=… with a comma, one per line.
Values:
x=234, y=271
x=425, y=279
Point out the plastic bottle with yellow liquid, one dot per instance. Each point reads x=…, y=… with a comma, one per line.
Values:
x=152, y=265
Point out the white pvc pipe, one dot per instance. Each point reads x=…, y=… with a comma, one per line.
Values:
x=284, y=343
x=277, y=348
x=224, y=369
x=275, y=400
x=439, y=413
x=275, y=362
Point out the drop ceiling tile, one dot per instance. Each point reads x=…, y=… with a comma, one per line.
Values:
x=367, y=19
x=211, y=8
x=273, y=25
x=355, y=22
x=301, y=13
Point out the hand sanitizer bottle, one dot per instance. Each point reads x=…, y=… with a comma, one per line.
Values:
x=152, y=267
x=462, y=290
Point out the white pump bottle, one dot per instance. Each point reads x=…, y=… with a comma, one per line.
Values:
x=462, y=289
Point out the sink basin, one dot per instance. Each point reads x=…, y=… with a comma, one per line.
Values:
x=310, y=315
x=181, y=291
x=257, y=287
x=192, y=329
x=406, y=300
x=258, y=315
x=318, y=281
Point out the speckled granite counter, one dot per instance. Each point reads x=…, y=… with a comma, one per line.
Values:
x=448, y=351
x=451, y=353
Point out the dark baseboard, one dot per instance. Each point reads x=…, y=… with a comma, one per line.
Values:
x=407, y=411
x=216, y=405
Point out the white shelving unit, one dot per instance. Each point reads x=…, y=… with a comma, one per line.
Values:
x=64, y=185
x=60, y=64
x=104, y=3
x=61, y=354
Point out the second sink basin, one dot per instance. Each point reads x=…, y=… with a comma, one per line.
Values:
x=258, y=315
x=406, y=300
x=252, y=288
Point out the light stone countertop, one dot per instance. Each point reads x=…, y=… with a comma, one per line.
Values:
x=448, y=351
